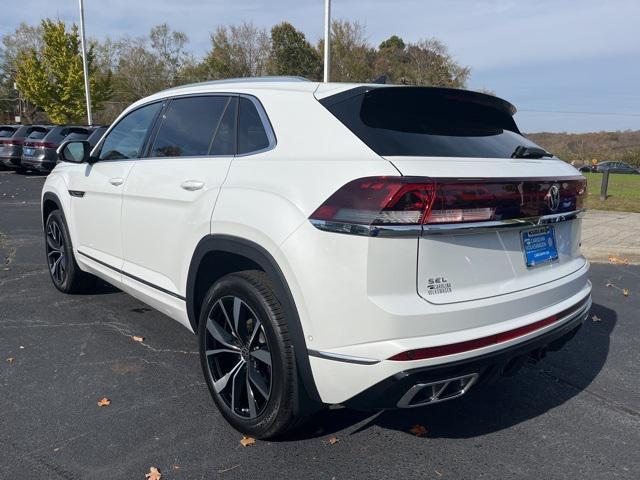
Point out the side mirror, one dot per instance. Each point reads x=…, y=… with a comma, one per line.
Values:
x=75, y=151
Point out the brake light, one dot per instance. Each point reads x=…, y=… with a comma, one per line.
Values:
x=398, y=201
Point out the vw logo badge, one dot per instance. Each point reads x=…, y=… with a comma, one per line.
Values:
x=553, y=198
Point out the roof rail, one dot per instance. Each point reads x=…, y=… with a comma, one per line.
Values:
x=263, y=79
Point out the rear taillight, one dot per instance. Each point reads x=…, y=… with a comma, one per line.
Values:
x=11, y=143
x=41, y=144
x=379, y=201
x=404, y=201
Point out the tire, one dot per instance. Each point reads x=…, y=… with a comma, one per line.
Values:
x=63, y=268
x=261, y=394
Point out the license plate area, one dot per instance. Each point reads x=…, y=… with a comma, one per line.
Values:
x=539, y=246
x=29, y=151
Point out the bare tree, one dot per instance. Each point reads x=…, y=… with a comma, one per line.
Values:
x=236, y=51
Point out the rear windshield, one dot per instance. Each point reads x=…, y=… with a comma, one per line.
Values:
x=37, y=134
x=432, y=122
x=6, y=132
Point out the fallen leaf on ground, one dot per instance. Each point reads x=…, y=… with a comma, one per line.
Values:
x=136, y=338
x=334, y=440
x=609, y=284
x=10, y=359
x=154, y=474
x=596, y=318
x=103, y=402
x=625, y=292
x=418, y=430
x=438, y=473
x=246, y=441
x=618, y=261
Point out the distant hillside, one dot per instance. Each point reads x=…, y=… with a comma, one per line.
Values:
x=582, y=147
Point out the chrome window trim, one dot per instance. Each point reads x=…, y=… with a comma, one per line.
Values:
x=395, y=231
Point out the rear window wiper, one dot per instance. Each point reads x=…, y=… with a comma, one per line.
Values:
x=530, y=152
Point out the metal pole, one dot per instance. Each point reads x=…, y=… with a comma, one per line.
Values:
x=604, y=185
x=327, y=39
x=87, y=92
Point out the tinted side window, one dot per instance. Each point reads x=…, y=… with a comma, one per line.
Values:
x=127, y=137
x=251, y=133
x=188, y=126
x=224, y=142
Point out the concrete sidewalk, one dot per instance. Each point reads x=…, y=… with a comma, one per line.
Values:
x=606, y=234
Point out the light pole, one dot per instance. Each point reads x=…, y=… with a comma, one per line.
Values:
x=327, y=39
x=87, y=92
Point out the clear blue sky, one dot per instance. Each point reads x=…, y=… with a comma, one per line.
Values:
x=568, y=65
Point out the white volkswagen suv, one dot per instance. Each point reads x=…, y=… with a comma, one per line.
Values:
x=364, y=245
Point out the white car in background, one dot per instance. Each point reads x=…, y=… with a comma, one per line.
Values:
x=365, y=245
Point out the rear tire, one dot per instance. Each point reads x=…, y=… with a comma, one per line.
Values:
x=63, y=268
x=247, y=356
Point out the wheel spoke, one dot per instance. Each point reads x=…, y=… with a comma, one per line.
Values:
x=51, y=242
x=256, y=378
x=236, y=385
x=54, y=266
x=221, y=335
x=234, y=331
x=221, y=383
x=262, y=355
x=218, y=351
x=237, y=304
x=251, y=400
x=256, y=330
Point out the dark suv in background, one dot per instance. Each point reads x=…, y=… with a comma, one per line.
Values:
x=616, y=167
x=39, y=152
x=11, y=147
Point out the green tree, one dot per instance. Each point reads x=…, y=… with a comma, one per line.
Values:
x=292, y=54
x=52, y=76
x=391, y=60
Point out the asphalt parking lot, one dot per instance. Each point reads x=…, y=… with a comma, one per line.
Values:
x=574, y=415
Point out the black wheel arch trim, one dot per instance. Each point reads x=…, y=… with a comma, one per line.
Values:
x=257, y=254
x=50, y=196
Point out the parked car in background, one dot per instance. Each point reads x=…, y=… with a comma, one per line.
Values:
x=6, y=131
x=11, y=148
x=39, y=151
x=616, y=167
x=96, y=135
x=586, y=168
x=391, y=250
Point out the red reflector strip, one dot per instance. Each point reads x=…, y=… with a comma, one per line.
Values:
x=453, y=348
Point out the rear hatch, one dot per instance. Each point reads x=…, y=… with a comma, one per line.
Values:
x=502, y=213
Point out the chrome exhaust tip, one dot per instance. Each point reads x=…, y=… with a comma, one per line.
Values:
x=428, y=393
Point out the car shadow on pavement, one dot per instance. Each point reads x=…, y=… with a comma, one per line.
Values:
x=489, y=408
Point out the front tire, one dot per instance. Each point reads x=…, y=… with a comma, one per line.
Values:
x=63, y=268
x=247, y=356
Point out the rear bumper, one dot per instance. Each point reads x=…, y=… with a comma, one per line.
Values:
x=391, y=392
x=40, y=164
x=11, y=162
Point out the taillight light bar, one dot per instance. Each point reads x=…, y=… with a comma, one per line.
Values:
x=41, y=144
x=11, y=143
x=462, y=347
x=384, y=202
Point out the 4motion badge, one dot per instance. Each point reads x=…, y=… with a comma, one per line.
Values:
x=438, y=285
